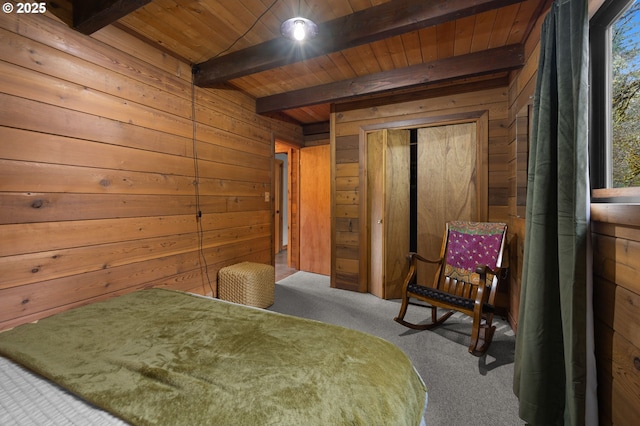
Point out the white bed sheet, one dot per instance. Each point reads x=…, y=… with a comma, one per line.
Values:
x=27, y=399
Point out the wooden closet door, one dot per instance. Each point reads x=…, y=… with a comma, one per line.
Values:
x=376, y=142
x=397, y=211
x=447, y=185
x=388, y=164
x=315, y=209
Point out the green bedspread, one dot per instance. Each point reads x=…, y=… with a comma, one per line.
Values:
x=165, y=357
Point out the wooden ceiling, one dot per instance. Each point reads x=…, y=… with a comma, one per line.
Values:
x=364, y=48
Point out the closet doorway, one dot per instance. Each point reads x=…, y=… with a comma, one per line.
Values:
x=417, y=178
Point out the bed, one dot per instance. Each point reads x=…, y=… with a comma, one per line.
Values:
x=160, y=356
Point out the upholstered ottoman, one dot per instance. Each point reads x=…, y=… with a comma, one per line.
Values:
x=247, y=283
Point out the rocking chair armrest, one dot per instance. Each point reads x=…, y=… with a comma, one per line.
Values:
x=481, y=298
x=483, y=271
x=415, y=256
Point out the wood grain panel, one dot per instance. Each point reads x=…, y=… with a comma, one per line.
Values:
x=41, y=266
x=50, y=90
x=29, y=300
x=348, y=183
x=21, y=239
x=616, y=239
x=350, y=170
x=447, y=187
x=603, y=351
x=61, y=178
x=493, y=101
x=117, y=38
x=44, y=148
x=618, y=260
x=20, y=113
x=98, y=181
x=376, y=194
x=432, y=187
x=348, y=266
x=25, y=302
x=54, y=207
x=627, y=311
x=315, y=210
x=397, y=212
x=626, y=380
x=624, y=405
x=347, y=197
x=347, y=239
x=604, y=291
x=34, y=56
x=122, y=59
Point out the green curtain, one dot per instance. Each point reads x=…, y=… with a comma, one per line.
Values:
x=554, y=339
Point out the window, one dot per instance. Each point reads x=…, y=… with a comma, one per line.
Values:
x=615, y=99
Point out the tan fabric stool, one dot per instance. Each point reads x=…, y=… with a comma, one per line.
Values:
x=247, y=283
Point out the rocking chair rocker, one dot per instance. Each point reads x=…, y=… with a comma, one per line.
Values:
x=466, y=280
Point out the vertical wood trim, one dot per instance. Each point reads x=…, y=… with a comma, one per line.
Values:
x=363, y=281
x=295, y=209
x=293, y=193
x=482, y=134
x=277, y=209
x=332, y=154
x=272, y=198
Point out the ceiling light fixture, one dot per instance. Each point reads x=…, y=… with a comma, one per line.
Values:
x=299, y=28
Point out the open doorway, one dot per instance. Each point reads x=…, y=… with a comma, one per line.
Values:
x=286, y=246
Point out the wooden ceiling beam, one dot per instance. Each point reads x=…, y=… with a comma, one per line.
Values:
x=90, y=16
x=322, y=127
x=366, y=26
x=463, y=66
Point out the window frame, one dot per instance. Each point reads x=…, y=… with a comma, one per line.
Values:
x=600, y=93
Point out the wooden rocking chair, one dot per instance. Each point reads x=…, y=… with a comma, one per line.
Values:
x=466, y=280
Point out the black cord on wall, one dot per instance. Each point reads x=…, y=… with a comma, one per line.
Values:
x=202, y=260
x=247, y=31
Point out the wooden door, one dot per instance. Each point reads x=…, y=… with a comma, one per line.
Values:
x=375, y=205
x=446, y=184
x=315, y=209
x=388, y=163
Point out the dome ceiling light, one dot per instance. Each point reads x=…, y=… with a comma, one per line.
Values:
x=299, y=28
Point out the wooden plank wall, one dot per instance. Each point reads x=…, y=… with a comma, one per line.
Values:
x=521, y=90
x=97, y=171
x=348, y=262
x=616, y=267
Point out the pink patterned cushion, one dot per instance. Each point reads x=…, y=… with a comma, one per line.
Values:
x=471, y=244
